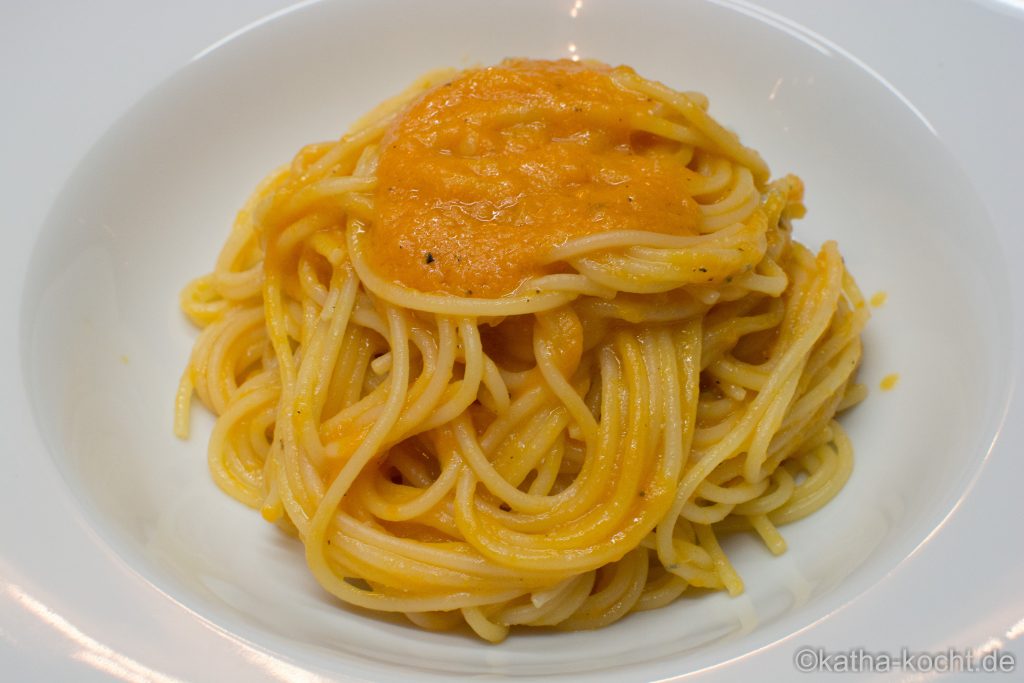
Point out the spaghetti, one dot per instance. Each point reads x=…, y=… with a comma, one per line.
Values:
x=519, y=348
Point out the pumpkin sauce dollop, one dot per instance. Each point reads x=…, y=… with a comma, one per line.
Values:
x=482, y=176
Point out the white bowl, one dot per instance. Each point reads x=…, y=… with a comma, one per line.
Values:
x=150, y=205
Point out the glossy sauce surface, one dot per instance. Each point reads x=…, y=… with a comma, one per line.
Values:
x=482, y=176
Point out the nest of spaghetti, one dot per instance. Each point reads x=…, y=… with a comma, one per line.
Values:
x=559, y=455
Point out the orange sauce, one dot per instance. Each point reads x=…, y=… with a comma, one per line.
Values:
x=484, y=175
x=889, y=382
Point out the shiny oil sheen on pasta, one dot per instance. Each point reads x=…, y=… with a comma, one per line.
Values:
x=483, y=175
x=521, y=346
